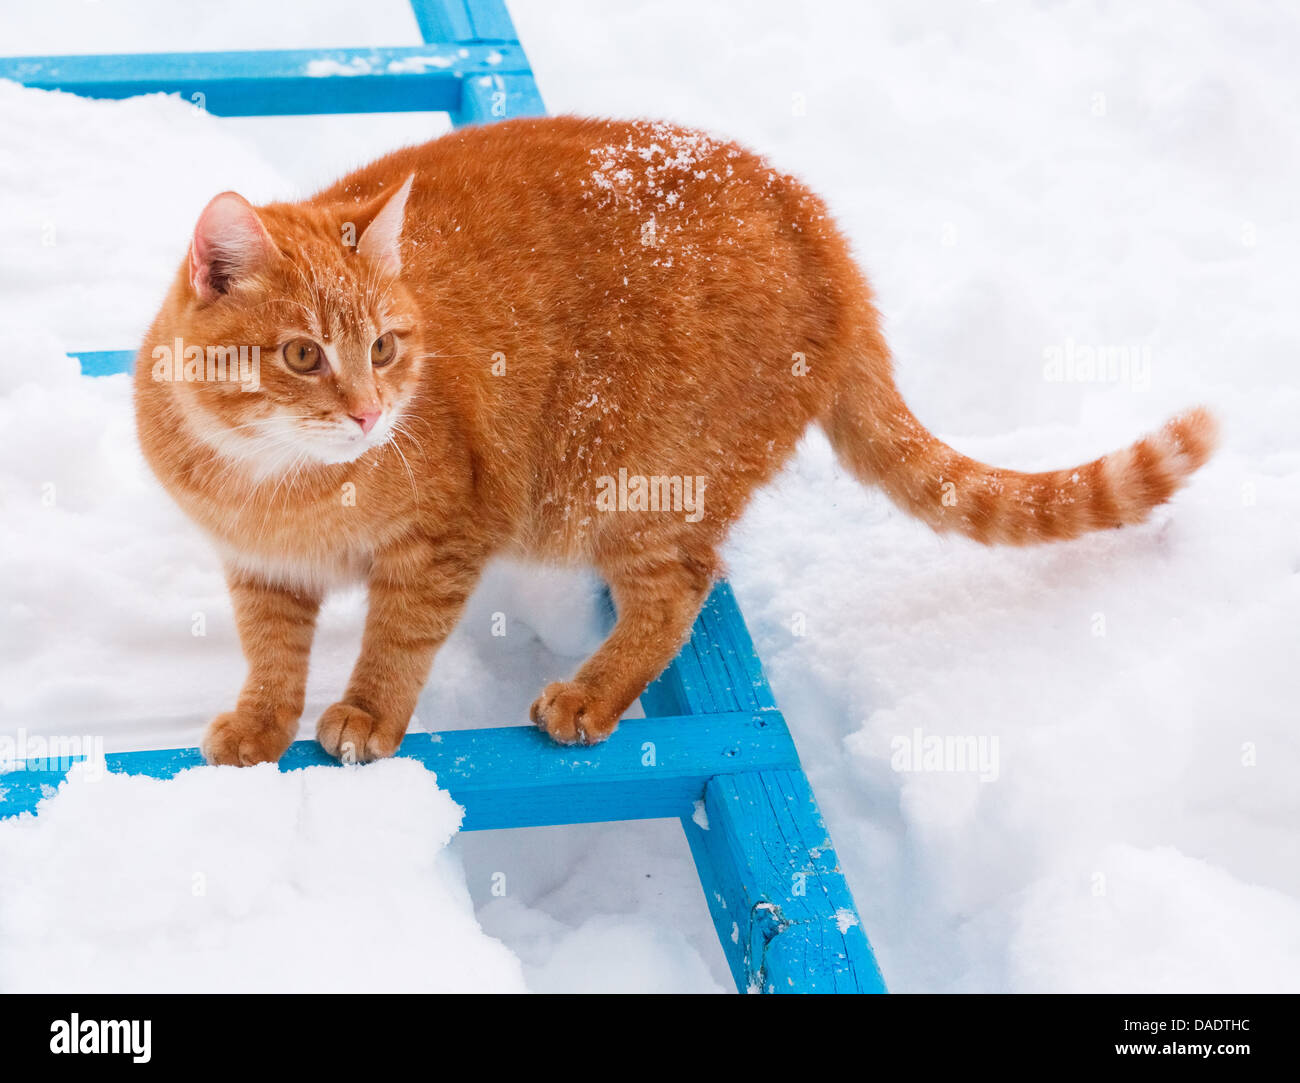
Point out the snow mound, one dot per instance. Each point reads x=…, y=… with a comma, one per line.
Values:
x=1154, y=921
x=320, y=880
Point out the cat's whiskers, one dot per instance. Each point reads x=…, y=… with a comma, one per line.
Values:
x=254, y=444
x=261, y=445
x=262, y=422
x=410, y=417
x=397, y=430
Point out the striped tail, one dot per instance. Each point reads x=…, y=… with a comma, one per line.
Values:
x=879, y=439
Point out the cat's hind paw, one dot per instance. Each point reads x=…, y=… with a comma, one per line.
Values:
x=572, y=715
x=352, y=735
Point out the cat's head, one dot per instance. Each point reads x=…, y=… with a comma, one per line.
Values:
x=319, y=336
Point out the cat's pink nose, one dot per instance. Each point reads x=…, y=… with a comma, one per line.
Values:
x=366, y=419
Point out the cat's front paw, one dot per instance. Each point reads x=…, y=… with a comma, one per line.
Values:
x=572, y=715
x=241, y=739
x=355, y=736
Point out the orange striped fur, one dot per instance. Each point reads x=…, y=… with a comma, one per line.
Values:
x=501, y=342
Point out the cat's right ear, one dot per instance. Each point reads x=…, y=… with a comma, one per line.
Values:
x=229, y=242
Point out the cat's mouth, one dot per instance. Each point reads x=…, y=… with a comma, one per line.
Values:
x=345, y=442
x=345, y=446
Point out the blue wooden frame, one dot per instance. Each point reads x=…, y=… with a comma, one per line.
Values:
x=713, y=749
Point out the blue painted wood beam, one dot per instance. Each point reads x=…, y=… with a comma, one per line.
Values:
x=493, y=96
x=289, y=82
x=783, y=912
x=499, y=96
x=779, y=902
x=105, y=362
x=491, y=19
x=463, y=20
x=444, y=20
x=516, y=776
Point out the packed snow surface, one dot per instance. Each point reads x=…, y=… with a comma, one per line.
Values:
x=1068, y=768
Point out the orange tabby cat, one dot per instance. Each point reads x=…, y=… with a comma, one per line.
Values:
x=571, y=340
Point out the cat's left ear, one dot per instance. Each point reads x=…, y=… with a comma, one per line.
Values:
x=382, y=239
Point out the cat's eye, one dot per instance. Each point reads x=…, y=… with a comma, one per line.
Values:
x=302, y=355
x=383, y=350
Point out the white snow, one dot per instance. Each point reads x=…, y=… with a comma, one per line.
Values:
x=1017, y=181
x=318, y=880
x=358, y=65
x=419, y=64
